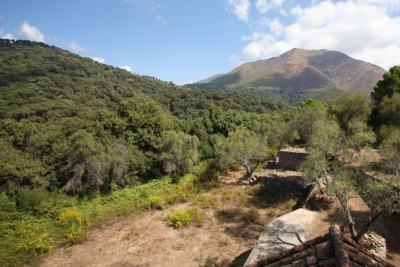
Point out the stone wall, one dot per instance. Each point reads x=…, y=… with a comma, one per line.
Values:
x=291, y=158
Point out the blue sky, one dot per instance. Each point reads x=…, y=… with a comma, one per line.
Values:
x=188, y=40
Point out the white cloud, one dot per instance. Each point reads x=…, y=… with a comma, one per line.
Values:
x=99, y=59
x=31, y=32
x=240, y=8
x=364, y=29
x=74, y=47
x=126, y=67
x=264, y=6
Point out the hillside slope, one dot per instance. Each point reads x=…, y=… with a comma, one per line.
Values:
x=45, y=81
x=298, y=74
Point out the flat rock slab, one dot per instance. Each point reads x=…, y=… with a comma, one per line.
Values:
x=285, y=232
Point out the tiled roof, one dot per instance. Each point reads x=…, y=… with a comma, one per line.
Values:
x=332, y=249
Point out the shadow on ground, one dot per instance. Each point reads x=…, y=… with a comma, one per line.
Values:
x=273, y=191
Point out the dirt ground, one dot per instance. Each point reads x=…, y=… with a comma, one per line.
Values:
x=147, y=240
x=224, y=239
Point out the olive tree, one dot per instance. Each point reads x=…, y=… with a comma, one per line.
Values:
x=241, y=148
x=322, y=145
x=382, y=198
x=391, y=151
x=179, y=152
x=352, y=112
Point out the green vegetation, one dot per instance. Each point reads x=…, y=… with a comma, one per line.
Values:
x=242, y=147
x=386, y=102
x=391, y=151
x=184, y=217
x=58, y=218
x=342, y=136
x=250, y=216
x=179, y=152
x=81, y=142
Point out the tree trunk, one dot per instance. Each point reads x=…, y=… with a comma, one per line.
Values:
x=367, y=226
x=249, y=169
x=343, y=199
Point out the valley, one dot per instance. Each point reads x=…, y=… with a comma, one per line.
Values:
x=103, y=167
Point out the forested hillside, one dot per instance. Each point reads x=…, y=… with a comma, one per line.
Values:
x=61, y=114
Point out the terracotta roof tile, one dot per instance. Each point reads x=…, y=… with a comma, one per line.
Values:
x=332, y=249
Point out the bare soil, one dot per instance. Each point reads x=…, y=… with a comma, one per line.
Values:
x=224, y=239
x=146, y=239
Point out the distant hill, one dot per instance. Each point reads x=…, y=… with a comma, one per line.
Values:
x=298, y=74
x=42, y=81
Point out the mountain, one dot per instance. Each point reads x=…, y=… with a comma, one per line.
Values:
x=298, y=74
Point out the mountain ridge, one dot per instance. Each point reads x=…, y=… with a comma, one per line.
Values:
x=299, y=73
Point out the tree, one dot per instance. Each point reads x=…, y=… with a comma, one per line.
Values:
x=384, y=89
x=179, y=152
x=350, y=107
x=322, y=145
x=241, y=148
x=90, y=165
x=389, y=85
x=19, y=169
x=144, y=122
x=391, y=151
x=352, y=112
x=307, y=114
x=381, y=198
x=314, y=169
x=389, y=110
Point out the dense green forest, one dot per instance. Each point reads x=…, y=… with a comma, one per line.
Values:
x=82, y=141
x=62, y=114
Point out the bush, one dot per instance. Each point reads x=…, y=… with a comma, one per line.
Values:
x=31, y=200
x=74, y=223
x=6, y=204
x=35, y=239
x=184, y=217
x=250, y=216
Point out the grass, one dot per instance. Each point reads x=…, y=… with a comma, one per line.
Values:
x=59, y=219
x=207, y=201
x=251, y=216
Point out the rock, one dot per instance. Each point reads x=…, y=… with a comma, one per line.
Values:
x=375, y=244
x=283, y=233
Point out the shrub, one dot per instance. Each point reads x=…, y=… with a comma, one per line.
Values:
x=31, y=200
x=179, y=219
x=155, y=202
x=184, y=217
x=74, y=223
x=35, y=239
x=250, y=216
x=198, y=216
x=6, y=204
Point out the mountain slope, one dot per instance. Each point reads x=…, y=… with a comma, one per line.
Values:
x=46, y=81
x=300, y=73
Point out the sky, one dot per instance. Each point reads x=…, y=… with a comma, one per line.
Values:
x=188, y=40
